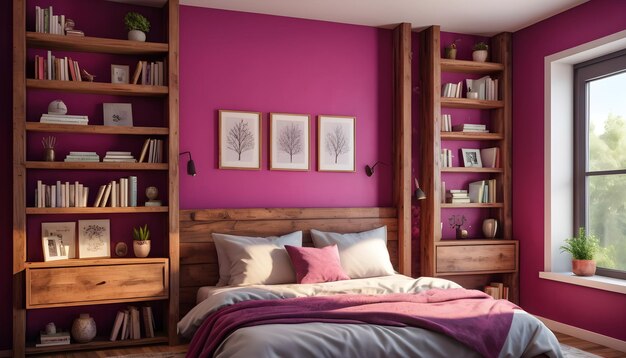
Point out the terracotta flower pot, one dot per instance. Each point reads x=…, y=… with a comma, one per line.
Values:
x=584, y=267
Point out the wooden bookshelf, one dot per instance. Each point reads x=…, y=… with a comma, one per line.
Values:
x=98, y=210
x=95, y=129
x=467, y=103
x=95, y=166
x=95, y=262
x=471, y=136
x=473, y=67
x=115, y=89
x=94, y=44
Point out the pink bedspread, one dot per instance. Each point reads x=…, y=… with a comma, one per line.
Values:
x=469, y=316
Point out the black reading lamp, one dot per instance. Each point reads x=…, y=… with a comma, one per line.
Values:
x=369, y=171
x=419, y=193
x=191, y=166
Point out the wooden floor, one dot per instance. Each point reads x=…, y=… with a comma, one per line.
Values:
x=570, y=341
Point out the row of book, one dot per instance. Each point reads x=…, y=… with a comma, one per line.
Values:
x=446, y=158
x=122, y=193
x=486, y=87
x=150, y=73
x=56, y=68
x=111, y=156
x=61, y=195
x=127, y=324
x=457, y=196
x=483, y=191
x=82, y=157
x=114, y=156
x=452, y=90
x=151, y=151
x=64, y=119
x=467, y=127
x=46, y=21
x=497, y=290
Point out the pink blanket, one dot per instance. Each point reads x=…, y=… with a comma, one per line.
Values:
x=469, y=316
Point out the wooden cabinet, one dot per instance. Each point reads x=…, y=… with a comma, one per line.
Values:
x=473, y=262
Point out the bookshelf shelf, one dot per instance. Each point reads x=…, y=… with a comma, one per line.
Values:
x=466, y=103
x=96, y=166
x=97, y=88
x=470, y=66
x=470, y=170
x=94, y=129
x=472, y=205
x=471, y=136
x=99, y=210
x=95, y=262
x=465, y=242
x=94, y=44
x=97, y=343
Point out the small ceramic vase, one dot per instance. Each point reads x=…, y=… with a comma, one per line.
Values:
x=141, y=248
x=48, y=154
x=490, y=227
x=479, y=55
x=83, y=328
x=136, y=35
x=450, y=53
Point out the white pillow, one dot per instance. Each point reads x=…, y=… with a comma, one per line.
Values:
x=245, y=260
x=362, y=254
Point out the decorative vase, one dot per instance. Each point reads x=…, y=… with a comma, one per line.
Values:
x=141, y=248
x=490, y=227
x=83, y=328
x=136, y=35
x=479, y=55
x=450, y=53
x=461, y=233
x=584, y=267
x=48, y=154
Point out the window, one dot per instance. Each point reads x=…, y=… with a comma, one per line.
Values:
x=600, y=157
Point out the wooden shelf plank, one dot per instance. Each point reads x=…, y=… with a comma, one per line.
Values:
x=95, y=262
x=464, y=242
x=470, y=66
x=467, y=103
x=96, y=344
x=94, y=44
x=95, y=166
x=470, y=170
x=94, y=129
x=471, y=205
x=471, y=136
x=467, y=273
x=115, y=89
x=92, y=210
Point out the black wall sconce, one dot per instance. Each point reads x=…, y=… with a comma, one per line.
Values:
x=419, y=193
x=369, y=171
x=191, y=166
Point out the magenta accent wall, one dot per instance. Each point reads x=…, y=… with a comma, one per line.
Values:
x=591, y=309
x=250, y=62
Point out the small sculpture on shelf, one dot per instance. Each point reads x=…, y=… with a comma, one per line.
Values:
x=48, y=148
x=86, y=76
x=57, y=107
x=152, y=193
x=70, y=30
x=456, y=221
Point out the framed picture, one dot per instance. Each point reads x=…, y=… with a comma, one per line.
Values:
x=119, y=74
x=94, y=238
x=118, y=114
x=290, y=141
x=471, y=158
x=65, y=233
x=53, y=249
x=336, y=143
x=239, y=140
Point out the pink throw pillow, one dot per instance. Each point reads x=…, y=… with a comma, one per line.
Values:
x=313, y=265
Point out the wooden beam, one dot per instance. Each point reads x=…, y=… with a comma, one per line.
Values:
x=402, y=142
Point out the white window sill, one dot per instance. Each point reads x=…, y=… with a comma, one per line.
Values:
x=599, y=282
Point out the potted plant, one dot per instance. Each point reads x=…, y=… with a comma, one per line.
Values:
x=450, y=50
x=480, y=52
x=141, y=241
x=137, y=26
x=583, y=248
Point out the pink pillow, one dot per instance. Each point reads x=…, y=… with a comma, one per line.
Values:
x=313, y=265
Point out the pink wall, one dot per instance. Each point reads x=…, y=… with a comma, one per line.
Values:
x=251, y=62
x=595, y=310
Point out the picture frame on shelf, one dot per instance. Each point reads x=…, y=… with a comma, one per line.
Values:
x=65, y=233
x=239, y=140
x=120, y=74
x=290, y=137
x=94, y=238
x=336, y=144
x=118, y=114
x=53, y=249
x=471, y=158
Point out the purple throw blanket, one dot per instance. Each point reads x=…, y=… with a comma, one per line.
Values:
x=469, y=316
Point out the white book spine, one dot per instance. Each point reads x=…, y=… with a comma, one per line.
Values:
x=38, y=196
x=53, y=196
x=133, y=191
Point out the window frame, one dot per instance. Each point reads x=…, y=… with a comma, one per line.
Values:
x=597, y=68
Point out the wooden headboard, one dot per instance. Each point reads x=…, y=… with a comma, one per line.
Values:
x=198, y=258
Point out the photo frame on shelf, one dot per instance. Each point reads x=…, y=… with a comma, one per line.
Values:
x=336, y=145
x=120, y=74
x=94, y=238
x=65, y=233
x=290, y=138
x=471, y=158
x=239, y=140
x=53, y=249
x=118, y=114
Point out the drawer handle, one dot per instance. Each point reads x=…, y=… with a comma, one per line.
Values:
x=101, y=283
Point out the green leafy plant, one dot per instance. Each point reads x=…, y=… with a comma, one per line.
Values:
x=582, y=246
x=136, y=21
x=481, y=46
x=141, y=234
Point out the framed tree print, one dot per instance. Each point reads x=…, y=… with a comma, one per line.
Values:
x=336, y=145
x=94, y=238
x=239, y=140
x=289, y=141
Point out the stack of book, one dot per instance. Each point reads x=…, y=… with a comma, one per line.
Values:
x=150, y=73
x=53, y=339
x=458, y=196
x=446, y=122
x=483, y=191
x=466, y=127
x=47, y=22
x=53, y=68
x=152, y=151
x=446, y=158
x=486, y=87
x=61, y=195
x=122, y=193
x=497, y=290
x=453, y=90
x=82, y=157
x=127, y=324
x=112, y=156
x=64, y=119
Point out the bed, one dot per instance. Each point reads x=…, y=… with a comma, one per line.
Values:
x=362, y=316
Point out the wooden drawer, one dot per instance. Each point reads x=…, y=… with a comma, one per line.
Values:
x=84, y=285
x=476, y=258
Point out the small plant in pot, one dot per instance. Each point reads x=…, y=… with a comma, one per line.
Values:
x=141, y=241
x=137, y=26
x=583, y=247
x=480, y=52
x=450, y=50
